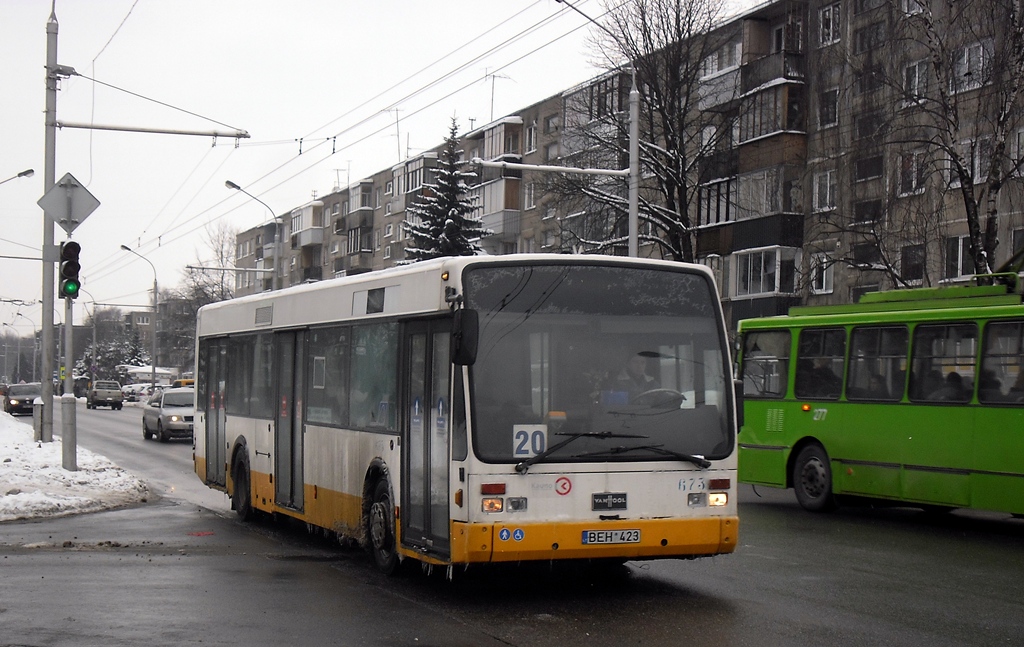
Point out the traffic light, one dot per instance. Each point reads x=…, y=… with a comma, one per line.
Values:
x=70, y=284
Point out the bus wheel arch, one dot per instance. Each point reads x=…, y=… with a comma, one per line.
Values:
x=379, y=523
x=241, y=480
x=810, y=472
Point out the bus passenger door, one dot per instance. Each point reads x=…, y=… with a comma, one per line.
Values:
x=289, y=349
x=216, y=354
x=426, y=423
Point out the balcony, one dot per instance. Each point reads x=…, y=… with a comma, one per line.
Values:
x=785, y=229
x=359, y=218
x=359, y=262
x=505, y=223
x=788, y=66
x=308, y=238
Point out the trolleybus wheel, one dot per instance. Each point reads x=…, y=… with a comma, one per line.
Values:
x=241, y=497
x=382, y=529
x=812, y=479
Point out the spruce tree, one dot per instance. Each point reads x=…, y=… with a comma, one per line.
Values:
x=445, y=223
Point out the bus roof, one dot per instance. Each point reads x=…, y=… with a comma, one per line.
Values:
x=416, y=288
x=894, y=305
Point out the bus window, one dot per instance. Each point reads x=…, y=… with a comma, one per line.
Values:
x=328, y=378
x=942, y=367
x=765, y=364
x=372, y=387
x=1002, y=379
x=878, y=360
x=819, y=363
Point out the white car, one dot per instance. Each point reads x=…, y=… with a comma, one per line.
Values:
x=169, y=414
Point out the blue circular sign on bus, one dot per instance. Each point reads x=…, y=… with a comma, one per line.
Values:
x=505, y=534
x=518, y=534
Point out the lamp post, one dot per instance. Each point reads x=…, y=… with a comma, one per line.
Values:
x=92, y=364
x=277, y=232
x=155, y=311
x=25, y=173
x=634, y=142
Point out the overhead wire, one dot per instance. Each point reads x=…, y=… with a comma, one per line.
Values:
x=162, y=239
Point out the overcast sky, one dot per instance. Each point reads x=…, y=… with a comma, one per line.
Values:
x=331, y=73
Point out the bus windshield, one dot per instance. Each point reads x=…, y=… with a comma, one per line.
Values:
x=628, y=363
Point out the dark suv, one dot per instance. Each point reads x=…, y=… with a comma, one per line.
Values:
x=20, y=397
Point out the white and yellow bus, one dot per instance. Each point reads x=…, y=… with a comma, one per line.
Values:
x=472, y=410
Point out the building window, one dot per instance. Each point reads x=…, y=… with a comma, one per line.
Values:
x=389, y=187
x=912, y=262
x=531, y=137
x=725, y=58
x=825, y=188
x=867, y=168
x=551, y=123
x=387, y=252
x=957, y=259
x=528, y=198
x=915, y=82
x=551, y=152
x=868, y=38
x=971, y=66
x=867, y=212
x=716, y=202
x=765, y=271
x=822, y=274
x=388, y=231
x=867, y=256
x=335, y=209
x=829, y=22
x=911, y=7
x=868, y=125
x=977, y=156
x=1018, y=239
x=387, y=209
x=912, y=172
x=828, y=108
x=869, y=80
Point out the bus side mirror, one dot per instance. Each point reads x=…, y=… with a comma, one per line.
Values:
x=465, y=335
x=737, y=388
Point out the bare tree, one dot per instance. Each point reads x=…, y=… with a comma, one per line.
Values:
x=958, y=107
x=668, y=45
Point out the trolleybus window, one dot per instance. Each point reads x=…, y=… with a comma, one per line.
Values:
x=942, y=363
x=766, y=363
x=878, y=363
x=819, y=364
x=630, y=362
x=1002, y=379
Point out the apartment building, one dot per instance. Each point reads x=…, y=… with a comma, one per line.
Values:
x=837, y=154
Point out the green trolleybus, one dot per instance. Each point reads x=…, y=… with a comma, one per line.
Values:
x=471, y=410
x=914, y=396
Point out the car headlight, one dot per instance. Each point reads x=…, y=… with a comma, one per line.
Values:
x=175, y=418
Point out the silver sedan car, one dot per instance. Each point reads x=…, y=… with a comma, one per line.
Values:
x=168, y=414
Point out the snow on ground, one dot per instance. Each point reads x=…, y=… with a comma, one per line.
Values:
x=34, y=483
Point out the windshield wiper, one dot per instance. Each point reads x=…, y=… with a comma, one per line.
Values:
x=699, y=461
x=523, y=466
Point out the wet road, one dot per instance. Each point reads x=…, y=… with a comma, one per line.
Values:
x=173, y=572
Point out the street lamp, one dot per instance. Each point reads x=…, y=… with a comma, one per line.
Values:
x=155, y=312
x=25, y=173
x=634, y=142
x=278, y=261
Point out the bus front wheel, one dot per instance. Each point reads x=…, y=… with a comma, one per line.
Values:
x=812, y=479
x=382, y=529
x=241, y=497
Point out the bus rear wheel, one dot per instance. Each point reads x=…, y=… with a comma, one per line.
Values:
x=812, y=479
x=381, y=524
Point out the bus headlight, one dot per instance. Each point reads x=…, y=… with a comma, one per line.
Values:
x=718, y=498
x=497, y=504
